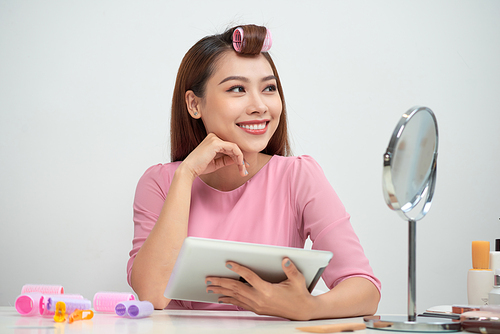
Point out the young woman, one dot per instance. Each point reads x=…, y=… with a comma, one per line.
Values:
x=232, y=177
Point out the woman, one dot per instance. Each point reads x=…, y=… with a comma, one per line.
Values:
x=232, y=177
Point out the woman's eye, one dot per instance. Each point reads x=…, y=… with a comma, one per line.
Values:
x=237, y=89
x=270, y=88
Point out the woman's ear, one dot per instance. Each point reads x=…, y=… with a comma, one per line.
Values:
x=193, y=104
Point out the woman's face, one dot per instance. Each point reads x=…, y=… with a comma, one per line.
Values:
x=242, y=103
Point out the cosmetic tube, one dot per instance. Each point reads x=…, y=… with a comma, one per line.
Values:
x=495, y=256
x=134, y=309
x=494, y=295
x=480, y=278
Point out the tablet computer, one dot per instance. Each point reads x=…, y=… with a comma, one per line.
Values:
x=201, y=257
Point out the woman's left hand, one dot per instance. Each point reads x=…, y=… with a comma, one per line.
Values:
x=288, y=299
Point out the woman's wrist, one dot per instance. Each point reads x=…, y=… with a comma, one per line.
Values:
x=316, y=308
x=185, y=173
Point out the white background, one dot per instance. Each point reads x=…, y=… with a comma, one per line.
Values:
x=85, y=91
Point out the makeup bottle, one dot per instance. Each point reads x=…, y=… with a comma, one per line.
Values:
x=480, y=278
x=495, y=256
x=494, y=295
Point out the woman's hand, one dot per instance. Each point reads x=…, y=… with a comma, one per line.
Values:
x=288, y=299
x=214, y=153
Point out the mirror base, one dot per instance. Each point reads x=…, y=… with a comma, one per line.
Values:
x=421, y=324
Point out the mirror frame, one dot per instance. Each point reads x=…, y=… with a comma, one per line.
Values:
x=428, y=187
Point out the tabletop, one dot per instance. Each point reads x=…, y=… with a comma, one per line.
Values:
x=165, y=321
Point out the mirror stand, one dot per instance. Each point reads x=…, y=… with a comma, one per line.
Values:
x=409, y=179
x=412, y=322
x=412, y=270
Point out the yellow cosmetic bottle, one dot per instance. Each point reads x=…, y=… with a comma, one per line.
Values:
x=480, y=278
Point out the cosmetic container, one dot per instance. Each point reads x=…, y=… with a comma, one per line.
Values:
x=495, y=256
x=106, y=301
x=134, y=309
x=490, y=308
x=480, y=278
x=480, y=315
x=494, y=294
x=27, y=303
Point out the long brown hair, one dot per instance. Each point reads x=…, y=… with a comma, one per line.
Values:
x=199, y=63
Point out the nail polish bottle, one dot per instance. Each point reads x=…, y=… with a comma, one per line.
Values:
x=480, y=278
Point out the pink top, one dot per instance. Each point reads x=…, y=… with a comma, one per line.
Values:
x=288, y=200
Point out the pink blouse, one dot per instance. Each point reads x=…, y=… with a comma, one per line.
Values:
x=288, y=200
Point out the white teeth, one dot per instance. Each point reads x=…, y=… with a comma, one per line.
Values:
x=259, y=126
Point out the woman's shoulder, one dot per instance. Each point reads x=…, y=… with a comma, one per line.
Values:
x=296, y=163
x=160, y=173
x=298, y=171
x=168, y=167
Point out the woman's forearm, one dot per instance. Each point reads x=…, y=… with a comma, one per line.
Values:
x=156, y=258
x=355, y=296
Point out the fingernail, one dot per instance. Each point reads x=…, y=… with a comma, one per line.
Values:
x=210, y=291
x=209, y=283
x=229, y=266
x=287, y=263
x=247, y=164
x=246, y=172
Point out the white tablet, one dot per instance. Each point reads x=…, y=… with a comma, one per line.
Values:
x=200, y=257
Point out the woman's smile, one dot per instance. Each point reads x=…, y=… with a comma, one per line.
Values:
x=254, y=127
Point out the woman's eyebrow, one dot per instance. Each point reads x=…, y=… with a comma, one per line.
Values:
x=234, y=77
x=245, y=79
x=270, y=77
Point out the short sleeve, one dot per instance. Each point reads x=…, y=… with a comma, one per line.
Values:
x=323, y=218
x=150, y=196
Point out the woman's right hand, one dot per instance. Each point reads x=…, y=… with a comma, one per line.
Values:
x=155, y=260
x=214, y=153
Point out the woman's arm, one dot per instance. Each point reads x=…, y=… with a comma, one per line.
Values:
x=156, y=258
x=355, y=296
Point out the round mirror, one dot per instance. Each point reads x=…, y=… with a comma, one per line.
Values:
x=409, y=178
x=410, y=162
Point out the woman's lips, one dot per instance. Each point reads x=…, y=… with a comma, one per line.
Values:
x=254, y=128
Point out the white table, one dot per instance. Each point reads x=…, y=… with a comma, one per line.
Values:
x=166, y=321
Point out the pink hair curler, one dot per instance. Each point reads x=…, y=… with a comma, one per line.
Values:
x=27, y=304
x=134, y=309
x=43, y=306
x=238, y=40
x=43, y=289
x=106, y=301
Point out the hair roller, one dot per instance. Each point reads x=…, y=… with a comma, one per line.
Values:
x=27, y=304
x=268, y=41
x=106, y=301
x=43, y=289
x=238, y=40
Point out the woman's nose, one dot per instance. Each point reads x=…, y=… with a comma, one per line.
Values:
x=257, y=104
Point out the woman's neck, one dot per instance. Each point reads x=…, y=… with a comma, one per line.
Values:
x=229, y=178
